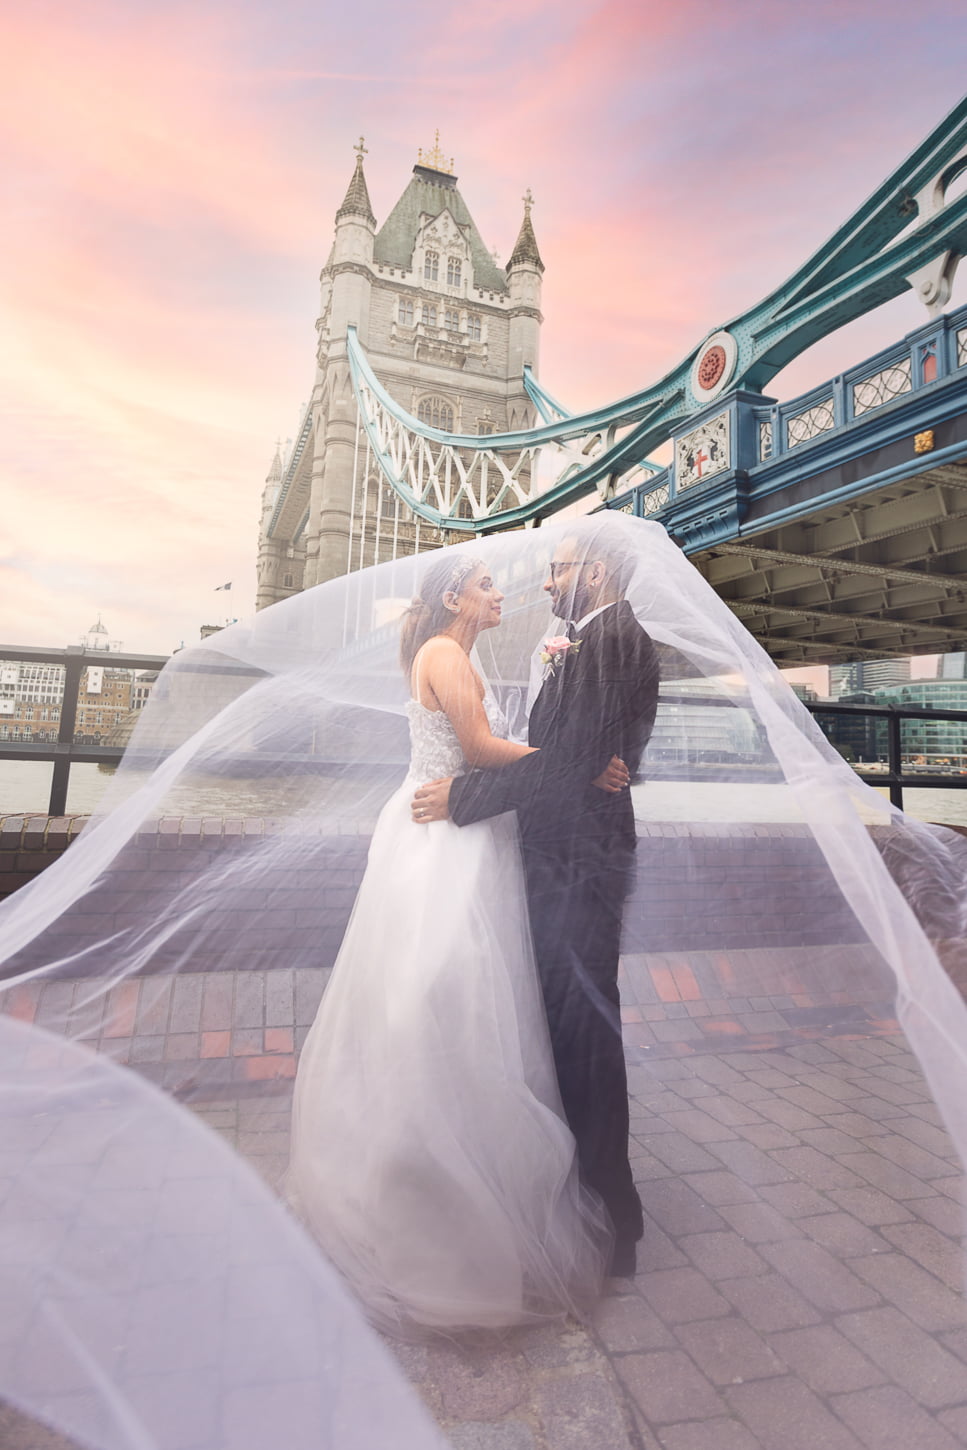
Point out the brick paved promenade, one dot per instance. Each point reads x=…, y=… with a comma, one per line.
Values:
x=800, y=1278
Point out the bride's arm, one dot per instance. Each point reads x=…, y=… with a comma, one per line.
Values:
x=446, y=672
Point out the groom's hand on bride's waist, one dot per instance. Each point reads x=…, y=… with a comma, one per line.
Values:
x=432, y=802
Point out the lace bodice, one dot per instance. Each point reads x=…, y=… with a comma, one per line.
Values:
x=434, y=748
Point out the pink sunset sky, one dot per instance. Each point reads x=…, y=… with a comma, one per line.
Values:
x=172, y=172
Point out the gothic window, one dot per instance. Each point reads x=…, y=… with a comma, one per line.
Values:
x=287, y=581
x=453, y=271
x=431, y=266
x=473, y=327
x=484, y=427
x=405, y=313
x=451, y=319
x=437, y=412
x=429, y=315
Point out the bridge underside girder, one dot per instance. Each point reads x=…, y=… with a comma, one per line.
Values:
x=871, y=578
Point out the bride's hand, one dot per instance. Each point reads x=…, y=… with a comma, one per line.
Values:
x=614, y=777
x=432, y=802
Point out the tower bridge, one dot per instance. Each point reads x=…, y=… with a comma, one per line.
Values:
x=834, y=524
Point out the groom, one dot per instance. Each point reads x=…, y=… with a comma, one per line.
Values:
x=597, y=700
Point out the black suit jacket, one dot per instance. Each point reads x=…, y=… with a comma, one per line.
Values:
x=600, y=702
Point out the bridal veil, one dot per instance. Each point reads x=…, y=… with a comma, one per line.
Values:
x=153, y=1292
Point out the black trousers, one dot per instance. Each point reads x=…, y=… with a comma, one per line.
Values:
x=576, y=905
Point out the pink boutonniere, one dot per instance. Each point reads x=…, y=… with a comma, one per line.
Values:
x=555, y=651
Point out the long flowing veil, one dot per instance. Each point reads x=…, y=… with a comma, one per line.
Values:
x=169, y=964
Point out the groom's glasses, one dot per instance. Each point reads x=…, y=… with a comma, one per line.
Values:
x=557, y=569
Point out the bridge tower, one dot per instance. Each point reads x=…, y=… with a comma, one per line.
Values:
x=449, y=333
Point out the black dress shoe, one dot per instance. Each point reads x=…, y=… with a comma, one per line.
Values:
x=624, y=1259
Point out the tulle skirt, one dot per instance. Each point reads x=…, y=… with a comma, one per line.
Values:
x=430, y=1157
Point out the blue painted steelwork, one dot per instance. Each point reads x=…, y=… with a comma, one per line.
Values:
x=904, y=235
x=867, y=415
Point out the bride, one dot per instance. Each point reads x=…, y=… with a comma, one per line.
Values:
x=430, y=1156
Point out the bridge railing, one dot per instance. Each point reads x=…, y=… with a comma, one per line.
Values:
x=924, y=357
x=895, y=777
x=65, y=751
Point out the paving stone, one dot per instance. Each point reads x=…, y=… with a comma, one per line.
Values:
x=678, y=1295
x=728, y=1350
x=154, y=1004
x=695, y=1088
x=729, y=1111
x=842, y=1234
x=787, y=1115
x=249, y=1009
x=925, y=1135
x=956, y=1422
x=825, y=1360
x=666, y=1387
x=759, y=1222
x=708, y=1435
x=769, y=1303
x=645, y=1166
x=877, y=1109
x=915, y=1160
x=956, y=1342
x=719, y=1187
x=218, y=995
x=767, y=1136
x=893, y=1180
x=310, y=983
x=280, y=998
x=677, y=1208
x=479, y=1435
x=828, y=1140
x=932, y=1250
x=722, y=1255
x=786, y=1415
x=715, y=1070
x=870, y=1206
x=580, y=1411
x=678, y=1153
x=795, y=1199
x=942, y=1213
x=835, y=1082
x=912, y=1290
x=912, y=1359
x=858, y=1125
x=186, y=1004
x=749, y=1163
x=818, y=1275
x=699, y=1126
x=808, y=1100
x=816, y=1169
x=656, y=1250
x=891, y=1092
x=625, y=1322
x=888, y=1419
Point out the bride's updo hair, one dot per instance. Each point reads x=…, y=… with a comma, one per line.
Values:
x=429, y=614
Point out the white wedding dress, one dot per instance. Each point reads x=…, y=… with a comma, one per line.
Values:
x=429, y=1153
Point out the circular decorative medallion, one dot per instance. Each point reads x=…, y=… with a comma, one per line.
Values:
x=714, y=366
x=711, y=367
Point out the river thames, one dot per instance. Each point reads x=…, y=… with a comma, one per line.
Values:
x=25, y=785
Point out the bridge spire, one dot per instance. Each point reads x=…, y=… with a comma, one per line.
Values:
x=525, y=247
x=356, y=201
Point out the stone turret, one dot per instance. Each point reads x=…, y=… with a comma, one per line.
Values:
x=525, y=271
x=447, y=331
